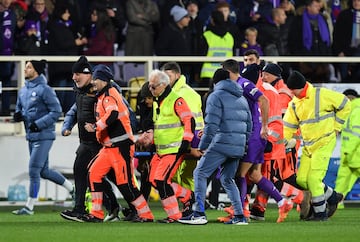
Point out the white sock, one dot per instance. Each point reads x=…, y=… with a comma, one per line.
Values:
x=30, y=203
x=68, y=185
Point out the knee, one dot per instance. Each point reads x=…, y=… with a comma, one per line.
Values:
x=34, y=173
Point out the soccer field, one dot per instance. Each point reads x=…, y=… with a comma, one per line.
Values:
x=47, y=226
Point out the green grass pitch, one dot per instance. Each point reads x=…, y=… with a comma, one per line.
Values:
x=46, y=225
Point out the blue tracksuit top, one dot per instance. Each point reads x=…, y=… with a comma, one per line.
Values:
x=38, y=103
x=228, y=121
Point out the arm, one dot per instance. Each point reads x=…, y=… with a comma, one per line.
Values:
x=264, y=108
x=69, y=121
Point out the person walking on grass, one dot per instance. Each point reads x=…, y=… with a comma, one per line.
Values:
x=319, y=113
x=39, y=108
x=227, y=129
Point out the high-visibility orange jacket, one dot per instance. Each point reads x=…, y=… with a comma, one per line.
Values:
x=275, y=123
x=284, y=93
x=110, y=112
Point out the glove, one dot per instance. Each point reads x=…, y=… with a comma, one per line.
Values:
x=268, y=147
x=290, y=144
x=18, y=117
x=34, y=128
x=184, y=147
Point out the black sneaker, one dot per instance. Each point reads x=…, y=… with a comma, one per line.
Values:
x=130, y=215
x=113, y=216
x=138, y=219
x=256, y=214
x=72, y=215
x=187, y=207
x=331, y=208
x=91, y=218
x=166, y=221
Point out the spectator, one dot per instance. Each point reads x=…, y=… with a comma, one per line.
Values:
x=309, y=35
x=7, y=26
x=250, y=42
x=39, y=114
x=35, y=36
x=347, y=40
x=175, y=39
x=141, y=15
x=101, y=36
x=271, y=38
x=216, y=41
x=63, y=40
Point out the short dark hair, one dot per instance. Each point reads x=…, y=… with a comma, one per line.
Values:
x=252, y=52
x=171, y=66
x=231, y=65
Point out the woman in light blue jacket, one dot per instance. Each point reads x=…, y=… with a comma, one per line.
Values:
x=39, y=108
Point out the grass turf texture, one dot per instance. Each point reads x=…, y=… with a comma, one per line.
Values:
x=47, y=225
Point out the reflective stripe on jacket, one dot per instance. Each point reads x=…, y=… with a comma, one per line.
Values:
x=350, y=136
x=318, y=115
x=218, y=46
x=193, y=100
x=168, y=129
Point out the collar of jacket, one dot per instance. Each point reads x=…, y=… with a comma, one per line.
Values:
x=107, y=87
x=164, y=94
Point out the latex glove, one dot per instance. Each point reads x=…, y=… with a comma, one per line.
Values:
x=184, y=147
x=18, y=117
x=290, y=144
x=34, y=128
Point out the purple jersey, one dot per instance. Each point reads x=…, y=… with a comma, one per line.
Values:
x=256, y=145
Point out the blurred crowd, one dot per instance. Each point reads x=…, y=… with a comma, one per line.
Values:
x=180, y=28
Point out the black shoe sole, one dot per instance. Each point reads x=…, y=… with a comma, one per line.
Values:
x=71, y=218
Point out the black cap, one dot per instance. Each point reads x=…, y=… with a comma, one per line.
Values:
x=273, y=69
x=351, y=92
x=39, y=66
x=251, y=72
x=103, y=73
x=82, y=66
x=296, y=80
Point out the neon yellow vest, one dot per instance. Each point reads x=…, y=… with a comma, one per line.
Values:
x=168, y=129
x=193, y=100
x=218, y=46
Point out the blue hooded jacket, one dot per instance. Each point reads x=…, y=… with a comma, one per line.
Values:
x=227, y=120
x=39, y=104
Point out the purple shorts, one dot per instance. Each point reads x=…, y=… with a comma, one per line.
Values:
x=255, y=151
x=195, y=141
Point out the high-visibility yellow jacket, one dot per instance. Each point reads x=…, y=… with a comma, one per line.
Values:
x=218, y=46
x=318, y=115
x=350, y=136
x=192, y=98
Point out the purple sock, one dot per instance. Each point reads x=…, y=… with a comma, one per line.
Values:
x=242, y=186
x=268, y=187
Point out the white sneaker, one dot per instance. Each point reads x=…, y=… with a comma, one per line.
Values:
x=23, y=211
x=194, y=219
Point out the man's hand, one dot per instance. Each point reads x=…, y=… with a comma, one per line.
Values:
x=184, y=147
x=18, y=117
x=66, y=132
x=34, y=128
x=146, y=138
x=91, y=128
